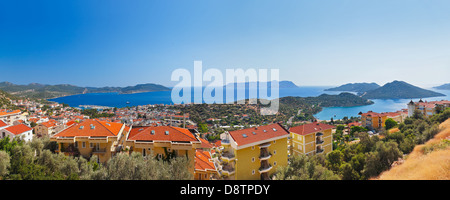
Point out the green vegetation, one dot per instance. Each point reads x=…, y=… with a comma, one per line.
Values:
x=355, y=87
x=41, y=91
x=36, y=161
x=94, y=113
x=400, y=90
x=371, y=155
x=390, y=123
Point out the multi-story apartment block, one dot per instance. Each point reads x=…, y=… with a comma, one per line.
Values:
x=310, y=139
x=91, y=137
x=427, y=108
x=253, y=153
x=163, y=141
x=10, y=116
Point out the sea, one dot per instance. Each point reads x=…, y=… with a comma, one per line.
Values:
x=164, y=97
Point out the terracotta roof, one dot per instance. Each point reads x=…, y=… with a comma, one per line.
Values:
x=202, y=161
x=205, y=144
x=256, y=134
x=161, y=133
x=8, y=112
x=92, y=128
x=310, y=128
x=49, y=124
x=2, y=123
x=18, y=129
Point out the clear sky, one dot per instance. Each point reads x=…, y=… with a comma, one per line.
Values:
x=320, y=42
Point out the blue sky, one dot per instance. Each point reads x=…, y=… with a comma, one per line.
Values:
x=320, y=42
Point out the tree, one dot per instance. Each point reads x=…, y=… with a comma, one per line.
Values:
x=348, y=173
x=334, y=160
x=303, y=167
x=202, y=128
x=390, y=123
x=4, y=164
x=417, y=114
x=381, y=158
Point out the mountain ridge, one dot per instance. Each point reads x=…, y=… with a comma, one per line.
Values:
x=399, y=90
x=45, y=91
x=355, y=87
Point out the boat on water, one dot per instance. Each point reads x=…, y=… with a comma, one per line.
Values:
x=128, y=102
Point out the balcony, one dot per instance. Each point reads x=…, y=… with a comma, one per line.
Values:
x=319, y=134
x=319, y=141
x=225, y=142
x=99, y=150
x=265, y=145
x=265, y=168
x=319, y=150
x=228, y=170
x=265, y=155
x=228, y=156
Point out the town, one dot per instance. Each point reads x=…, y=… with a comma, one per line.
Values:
x=216, y=151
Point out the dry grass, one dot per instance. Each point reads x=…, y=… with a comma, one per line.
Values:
x=419, y=166
x=394, y=130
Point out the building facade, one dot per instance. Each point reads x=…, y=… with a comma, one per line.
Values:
x=427, y=108
x=163, y=142
x=21, y=131
x=311, y=139
x=91, y=137
x=253, y=153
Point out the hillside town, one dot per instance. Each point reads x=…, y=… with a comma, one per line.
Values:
x=250, y=152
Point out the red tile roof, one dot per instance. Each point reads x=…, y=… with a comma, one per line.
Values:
x=205, y=144
x=202, y=162
x=50, y=123
x=8, y=112
x=2, y=123
x=256, y=134
x=159, y=133
x=92, y=128
x=310, y=128
x=18, y=129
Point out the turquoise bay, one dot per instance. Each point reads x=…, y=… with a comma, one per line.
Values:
x=164, y=97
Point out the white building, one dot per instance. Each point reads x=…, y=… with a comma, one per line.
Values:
x=22, y=131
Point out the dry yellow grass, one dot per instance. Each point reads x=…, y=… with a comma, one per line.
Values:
x=394, y=130
x=420, y=166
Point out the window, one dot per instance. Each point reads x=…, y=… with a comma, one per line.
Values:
x=253, y=147
x=274, y=141
x=253, y=172
x=91, y=145
x=274, y=163
x=144, y=152
x=83, y=145
x=76, y=145
x=253, y=159
x=274, y=152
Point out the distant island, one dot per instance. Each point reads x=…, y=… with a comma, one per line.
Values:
x=42, y=91
x=355, y=87
x=400, y=90
x=443, y=87
x=392, y=90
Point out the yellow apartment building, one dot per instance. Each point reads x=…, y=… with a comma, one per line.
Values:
x=253, y=153
x=311, y=139
x=163, y=141
x=91, y=137
x=373, y=120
